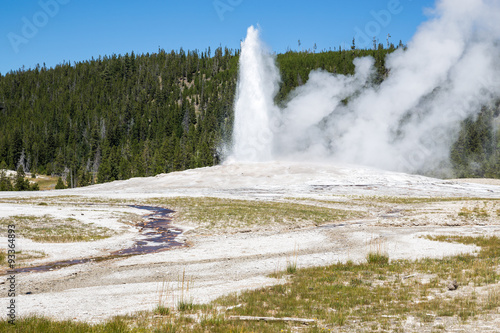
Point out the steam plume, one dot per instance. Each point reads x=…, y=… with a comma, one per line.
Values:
x=257, y=86
x=408, y=123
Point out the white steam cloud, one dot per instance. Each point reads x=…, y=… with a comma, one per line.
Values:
x=408, y=123
x=257, y=86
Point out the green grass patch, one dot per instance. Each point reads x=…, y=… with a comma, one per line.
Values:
x=377, y=258
x=291, y=267
x=185, y=305
x=218, y=213
x=474, y=212
x=45, y=182
x=3, y=257
x=161, y=310
x=346, y=293
x=34, y=324
x=48, y=229
x=21, y=257
x=418, y=200
x=224, y=213
x=67, y=200
x=378, y=294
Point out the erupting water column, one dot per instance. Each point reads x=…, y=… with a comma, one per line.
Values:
x=254, y=108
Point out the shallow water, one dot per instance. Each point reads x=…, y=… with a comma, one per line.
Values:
x=156, y=235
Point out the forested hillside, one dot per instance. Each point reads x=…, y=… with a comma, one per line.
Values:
x=139, y=115
x=476, y=153
x=120, y=116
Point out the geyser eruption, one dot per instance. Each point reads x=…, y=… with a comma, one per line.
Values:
x=407, y=123
x=254, y=108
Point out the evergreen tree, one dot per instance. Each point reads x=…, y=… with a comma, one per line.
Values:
x=60, y=184
x=5, y=183
x=475, y=152
x=20, y=183
x=131, y=115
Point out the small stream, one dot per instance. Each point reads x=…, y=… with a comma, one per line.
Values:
x=156, y=234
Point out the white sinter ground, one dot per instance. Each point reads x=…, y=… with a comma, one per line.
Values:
x=221, y=263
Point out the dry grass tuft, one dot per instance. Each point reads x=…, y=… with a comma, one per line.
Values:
x=376, y=295
x=48, y=229
x=217, y=213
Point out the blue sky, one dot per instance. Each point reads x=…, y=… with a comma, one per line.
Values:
x=52, y=31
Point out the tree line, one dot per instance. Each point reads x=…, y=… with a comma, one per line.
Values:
x=124, y=116
x=118, y=117
x=20, y=183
